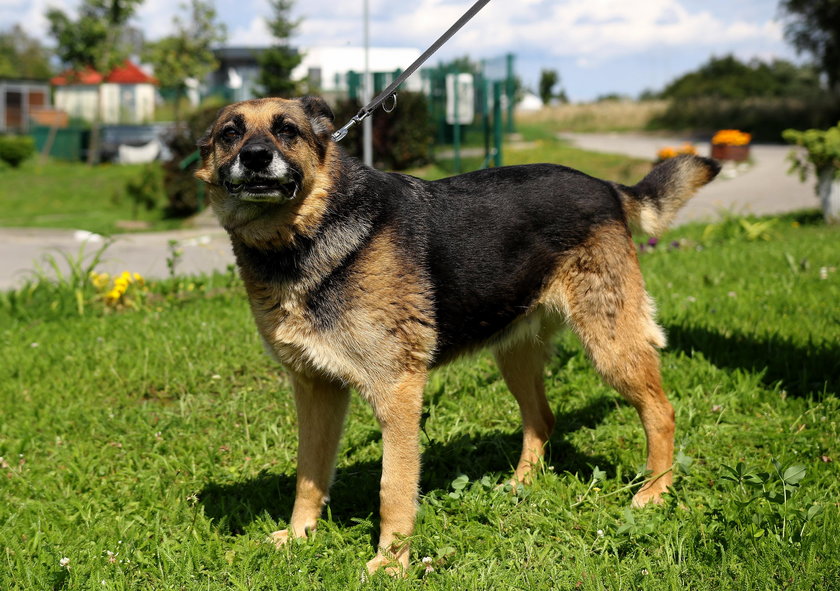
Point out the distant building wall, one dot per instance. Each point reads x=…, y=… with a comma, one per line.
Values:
x=18, y=100
x=329, y=67
x=121, y=103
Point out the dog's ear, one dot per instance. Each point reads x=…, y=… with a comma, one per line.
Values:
x=320, y=115
x=205, y=149
x=204, y=142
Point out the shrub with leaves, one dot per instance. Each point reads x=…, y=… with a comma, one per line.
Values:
x=401, y=138
x=145, y=190
x=180, y=184
x=15, y=149
x=821, y=150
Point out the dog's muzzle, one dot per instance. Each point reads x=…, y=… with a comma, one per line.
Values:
x=260, y=174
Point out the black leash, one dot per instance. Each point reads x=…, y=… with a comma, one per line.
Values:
x=391, y=91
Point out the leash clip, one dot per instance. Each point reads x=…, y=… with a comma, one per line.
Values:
x=341, y=133
x=393, y=106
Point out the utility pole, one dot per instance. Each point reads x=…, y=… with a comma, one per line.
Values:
x=367, y=94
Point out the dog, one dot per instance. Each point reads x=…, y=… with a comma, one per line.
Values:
x=363, y=279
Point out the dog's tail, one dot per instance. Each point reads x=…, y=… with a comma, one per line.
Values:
x=652, y=204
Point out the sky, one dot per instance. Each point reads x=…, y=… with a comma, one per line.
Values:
x=597, y=46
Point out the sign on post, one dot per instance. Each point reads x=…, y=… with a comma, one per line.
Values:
x=460, y=99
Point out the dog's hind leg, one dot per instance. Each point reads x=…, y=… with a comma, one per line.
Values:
x=321, y=408
x=601, y=290
x=522, y=365
x=398, y=408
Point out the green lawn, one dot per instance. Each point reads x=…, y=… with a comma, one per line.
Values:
x=155, y=448
x=61, y=194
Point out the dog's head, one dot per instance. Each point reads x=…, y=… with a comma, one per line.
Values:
x=265, y=152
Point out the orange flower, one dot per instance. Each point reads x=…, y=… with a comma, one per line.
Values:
x=731, y=137
x=665, y=153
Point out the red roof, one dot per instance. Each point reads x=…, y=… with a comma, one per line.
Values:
x=127, y=73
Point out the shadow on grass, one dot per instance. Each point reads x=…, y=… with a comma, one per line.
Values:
x=355, y=491
x=802, y=371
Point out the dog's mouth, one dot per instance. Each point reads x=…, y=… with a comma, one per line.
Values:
x=262, y=189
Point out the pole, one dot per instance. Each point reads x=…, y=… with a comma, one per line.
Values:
x=367, y=127
x=497, y=122
x=456, y=128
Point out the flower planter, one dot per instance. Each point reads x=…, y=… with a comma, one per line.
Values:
x=730, y=152
x=828, y=190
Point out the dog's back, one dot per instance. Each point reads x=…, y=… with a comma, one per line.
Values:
x=490, y=239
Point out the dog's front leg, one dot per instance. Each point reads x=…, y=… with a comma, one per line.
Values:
x=321, y=408
x=398, y=409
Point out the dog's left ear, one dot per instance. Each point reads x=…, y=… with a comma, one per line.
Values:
x=320, y=115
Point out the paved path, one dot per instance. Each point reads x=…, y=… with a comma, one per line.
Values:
x=203, y=250
x=763, y=188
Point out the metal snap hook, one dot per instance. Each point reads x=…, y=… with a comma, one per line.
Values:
x=393, y=106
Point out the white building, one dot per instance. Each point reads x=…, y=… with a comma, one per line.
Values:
x=127, y=94
x=327, y=67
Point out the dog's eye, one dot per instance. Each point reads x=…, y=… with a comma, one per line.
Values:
x=230, y=134
x=287, y=130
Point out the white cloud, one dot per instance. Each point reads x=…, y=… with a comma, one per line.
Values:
x=586, y=35
x=254, y=34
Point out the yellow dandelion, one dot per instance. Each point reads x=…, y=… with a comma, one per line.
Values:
x=99, y=280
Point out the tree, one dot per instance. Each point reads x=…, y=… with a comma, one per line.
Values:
x=187, y=53
x=548, y=79
x=94, y=41
x=814, y=27
x=729, y=78
x=278, y=61
x=22, y=56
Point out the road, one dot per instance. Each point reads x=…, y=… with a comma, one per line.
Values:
x=765, y=187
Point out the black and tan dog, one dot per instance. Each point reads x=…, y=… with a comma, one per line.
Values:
x=364, y=279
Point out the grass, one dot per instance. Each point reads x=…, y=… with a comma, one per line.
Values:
x=72, y=195
x=537, y=148
x=154, y=448
x=600, y=117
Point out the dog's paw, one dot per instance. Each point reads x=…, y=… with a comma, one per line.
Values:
x=395, y=566
x=647, y=496
x=281, y=538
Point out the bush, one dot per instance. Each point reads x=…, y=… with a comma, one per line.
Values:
x=145, y=189
x=182, y=188
x=401, y=139
x=764, y=118
x=14, y=149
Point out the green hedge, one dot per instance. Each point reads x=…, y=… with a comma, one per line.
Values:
x=14, y=149
x=764, y=118
x=401, y=139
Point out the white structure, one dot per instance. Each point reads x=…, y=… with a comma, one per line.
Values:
x=127, y=94
x=327, y=67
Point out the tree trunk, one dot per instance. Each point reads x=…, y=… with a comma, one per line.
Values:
x=93, y=145
x=828, y=189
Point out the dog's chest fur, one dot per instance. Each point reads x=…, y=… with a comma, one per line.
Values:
x=362, y=317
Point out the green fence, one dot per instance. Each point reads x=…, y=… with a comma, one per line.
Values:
x=494, y=87
x=66, y=143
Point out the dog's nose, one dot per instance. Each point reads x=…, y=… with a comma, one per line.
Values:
x=255, y=157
